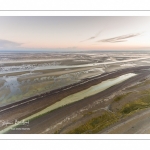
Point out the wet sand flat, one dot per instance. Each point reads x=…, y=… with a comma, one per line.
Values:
x=31, y=84
x=78, y=105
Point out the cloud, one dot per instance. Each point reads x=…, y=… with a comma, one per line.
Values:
x=119, y=38
x=93, y=37
x=9, y=44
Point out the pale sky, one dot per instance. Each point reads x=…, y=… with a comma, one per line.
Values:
x=74, y=33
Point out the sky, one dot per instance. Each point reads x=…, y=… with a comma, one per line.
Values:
x=74, y=33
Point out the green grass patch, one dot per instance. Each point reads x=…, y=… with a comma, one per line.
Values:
x=94, y=125
x=99, y=123
x=120, y=97
x=142, y=103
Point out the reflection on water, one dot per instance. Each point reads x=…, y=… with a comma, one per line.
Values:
x=12, y=85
